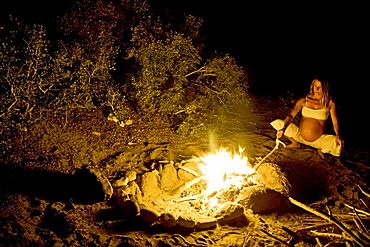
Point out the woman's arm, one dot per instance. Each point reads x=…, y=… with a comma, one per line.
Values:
x=334, y=118
x=289, y=119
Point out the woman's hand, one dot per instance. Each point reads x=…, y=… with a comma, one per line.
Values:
x=340, y=142
x=280, y=133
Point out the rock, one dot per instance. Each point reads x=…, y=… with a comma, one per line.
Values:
x=149, y=184
x=91, y=186
x=206, y=223
x=128, y=122
x=186, y=222
x=149, y=214
x=228, y=212
x=105, y=184
x=271, y=176
x=135, y=193
x=120, y=182
x=260, y=200
x=130, y=208
x=169, y=180
x=168, y=220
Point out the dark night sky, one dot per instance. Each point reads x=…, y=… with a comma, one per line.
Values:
x=286, y=43
x=283, y=44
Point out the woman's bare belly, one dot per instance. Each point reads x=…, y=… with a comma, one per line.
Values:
x=311, y=129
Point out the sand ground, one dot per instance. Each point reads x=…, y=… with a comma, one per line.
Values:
x=36, y=173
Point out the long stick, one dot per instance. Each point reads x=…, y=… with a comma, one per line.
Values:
x=189, y=171
x=177, y=192
x=357, y=210
x=330, y=219
x=276, y=238
x=273, y=150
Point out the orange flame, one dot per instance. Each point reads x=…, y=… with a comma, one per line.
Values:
x=224, y=169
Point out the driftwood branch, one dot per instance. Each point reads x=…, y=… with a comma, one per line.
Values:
x=357, y=210
x=292, y=234
x=276, y=238
x=319, y=242
x=329, y=234
x=329, y=218
x=326, y=225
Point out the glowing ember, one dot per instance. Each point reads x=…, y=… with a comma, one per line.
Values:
x=224, y=170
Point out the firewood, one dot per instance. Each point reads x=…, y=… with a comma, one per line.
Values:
x=340, y=225
x=329, y=234
x=179, y=190
x=276, y=238
x=292, y=234
x=189, y=171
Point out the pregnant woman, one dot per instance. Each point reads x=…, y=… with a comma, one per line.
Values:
x=315, y=107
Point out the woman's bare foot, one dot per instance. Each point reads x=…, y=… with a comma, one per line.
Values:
x=321, y=154
x=294, y=143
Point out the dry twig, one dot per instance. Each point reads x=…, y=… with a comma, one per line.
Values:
x=340, y=225
x=364, y=192
x=276, y=238
x=356, y=209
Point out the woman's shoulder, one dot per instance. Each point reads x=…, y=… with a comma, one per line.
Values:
x=302, y=100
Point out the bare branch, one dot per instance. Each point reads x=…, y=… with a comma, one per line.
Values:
x=330, y=219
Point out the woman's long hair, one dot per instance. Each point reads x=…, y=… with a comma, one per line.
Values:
x=325, y=91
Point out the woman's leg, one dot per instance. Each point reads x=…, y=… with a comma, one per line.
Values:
x=325, y=144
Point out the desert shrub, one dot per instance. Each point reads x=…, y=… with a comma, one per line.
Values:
x=167, y=79
x=219, y=86
x=163, y=72
x=95, y=34
x=25, y=75
x=161, y=66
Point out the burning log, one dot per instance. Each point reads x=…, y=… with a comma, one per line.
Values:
x=190, y=171
x=175, y=193
x=189, y=198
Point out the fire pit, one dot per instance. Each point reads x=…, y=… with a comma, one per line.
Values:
x=213, y=188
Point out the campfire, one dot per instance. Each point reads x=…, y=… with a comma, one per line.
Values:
x=201, y=192
x=223, y=175
x=224, y=170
